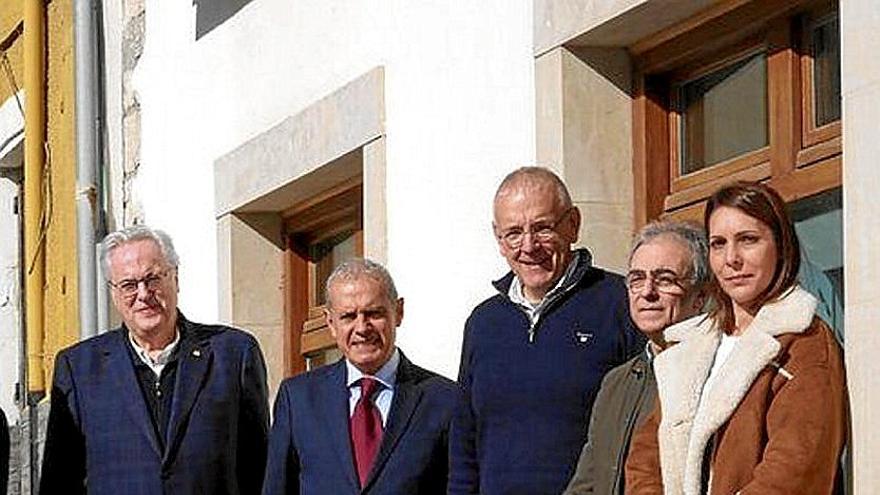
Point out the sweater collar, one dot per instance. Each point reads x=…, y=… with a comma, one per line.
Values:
x=582, y=261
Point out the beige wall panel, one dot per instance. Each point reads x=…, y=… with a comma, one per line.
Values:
x=375, y=205
x=598, y=126
x=557, y=21
x=250, y=273
x=605, y=23
x=548, y=107
x=861, y=179
x=602, y=233
x=269, y=337
x=299, y=145
x=597, y=144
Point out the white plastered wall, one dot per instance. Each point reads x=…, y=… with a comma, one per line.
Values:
x=459, y=114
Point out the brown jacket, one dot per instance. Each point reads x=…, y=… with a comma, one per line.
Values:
x=775, y=417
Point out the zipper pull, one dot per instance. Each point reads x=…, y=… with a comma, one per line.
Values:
x=532, y=333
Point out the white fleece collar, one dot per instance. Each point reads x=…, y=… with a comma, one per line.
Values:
x=682, y=369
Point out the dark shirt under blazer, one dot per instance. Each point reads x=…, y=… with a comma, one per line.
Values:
x=101, y=438
x=310, y=447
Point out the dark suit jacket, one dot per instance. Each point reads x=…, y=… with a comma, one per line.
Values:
x=310, y=447
x=100, y=438
x=4, y=453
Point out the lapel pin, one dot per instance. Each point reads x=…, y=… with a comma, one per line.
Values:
x=583, y=337
x=197, y=353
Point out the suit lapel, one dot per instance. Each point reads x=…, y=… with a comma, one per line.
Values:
x=127, y=387
x=406, y=397
x=336, y=393
x=194, y=361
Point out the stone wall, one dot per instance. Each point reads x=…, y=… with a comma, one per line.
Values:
x=134, y=26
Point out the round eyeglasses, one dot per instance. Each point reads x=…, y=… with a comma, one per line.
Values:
x=514, y=237
x=128, y=287
x=662, y=280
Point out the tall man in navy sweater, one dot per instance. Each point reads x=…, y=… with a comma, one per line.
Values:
x=535, y=353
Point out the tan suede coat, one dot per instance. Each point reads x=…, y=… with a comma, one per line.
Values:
x=774, y=422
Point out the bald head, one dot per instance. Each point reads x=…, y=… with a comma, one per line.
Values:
x=535, y=180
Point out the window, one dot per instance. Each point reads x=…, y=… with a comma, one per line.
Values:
x=744, y=90
x=722, y=114
x=321, y=233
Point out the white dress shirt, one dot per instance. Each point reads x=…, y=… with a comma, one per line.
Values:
x=386, y=376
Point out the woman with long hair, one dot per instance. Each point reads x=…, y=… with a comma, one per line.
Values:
x=752, y=396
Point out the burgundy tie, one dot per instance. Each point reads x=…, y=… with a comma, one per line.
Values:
x=366, y=428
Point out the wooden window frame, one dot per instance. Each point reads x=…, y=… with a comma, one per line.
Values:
x=812, y=134
x=800, y=160
x=321, y=217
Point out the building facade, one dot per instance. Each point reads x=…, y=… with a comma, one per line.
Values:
x=299, y=133
x=273, y=139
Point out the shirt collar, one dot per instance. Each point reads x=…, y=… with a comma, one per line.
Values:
x=515, y=292
x=649, y=351
x=164, y=355
x=387, y=374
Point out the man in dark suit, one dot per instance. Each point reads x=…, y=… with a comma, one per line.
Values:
x=373, y=423
x=160, y=405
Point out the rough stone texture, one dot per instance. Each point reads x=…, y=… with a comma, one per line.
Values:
x=132, y=8
x=14, y=486
x=132, y=49
x=20, y=452
x=131, y=125
x=133, y=35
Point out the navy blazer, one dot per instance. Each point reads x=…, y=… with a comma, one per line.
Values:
x=101, y=440
x=310, y=446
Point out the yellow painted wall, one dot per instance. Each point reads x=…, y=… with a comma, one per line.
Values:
x=11, y=58
x=61, y=321
x=61, y=299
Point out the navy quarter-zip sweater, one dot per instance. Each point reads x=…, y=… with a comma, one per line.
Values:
x=526, y=404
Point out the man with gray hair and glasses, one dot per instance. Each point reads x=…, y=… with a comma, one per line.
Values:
x=161, y=405
x=668, y=271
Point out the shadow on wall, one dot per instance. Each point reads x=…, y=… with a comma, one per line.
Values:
x=212, y=13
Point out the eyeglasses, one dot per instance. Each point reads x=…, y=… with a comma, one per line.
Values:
x=662, y=279
x=128, y=288
x=541, y=232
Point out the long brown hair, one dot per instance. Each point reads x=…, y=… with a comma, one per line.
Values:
x=763, y=203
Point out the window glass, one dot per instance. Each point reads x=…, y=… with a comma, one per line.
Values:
x=818, y=221
x=825, y=37
x=329, y=254
x=819, y=224
x=723, y=114
x=323, y=357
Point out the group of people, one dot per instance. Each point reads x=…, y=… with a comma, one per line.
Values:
x=703, y=370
